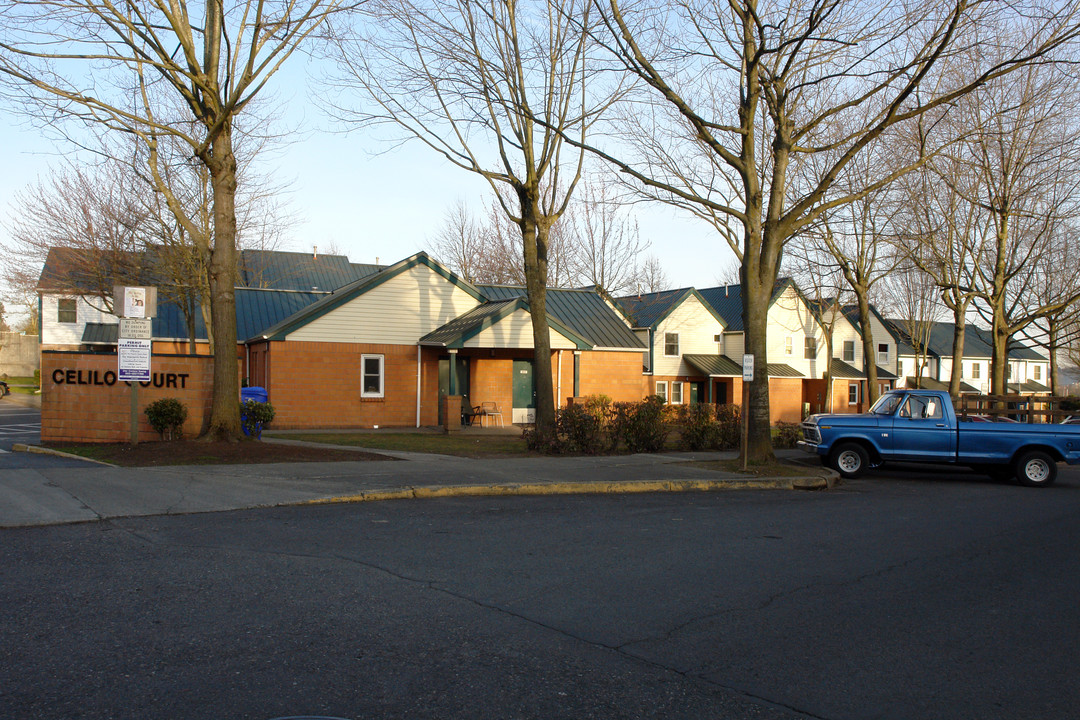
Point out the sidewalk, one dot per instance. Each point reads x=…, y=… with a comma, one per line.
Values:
x=51, y=495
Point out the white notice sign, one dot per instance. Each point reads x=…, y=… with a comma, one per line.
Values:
x=133, y=357
x=747, y=368
x=135, y=302
x=141, y=328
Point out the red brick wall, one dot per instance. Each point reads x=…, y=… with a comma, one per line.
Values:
x=78, y=404
x=615, y=374
x=317, y=385
x=785, y=399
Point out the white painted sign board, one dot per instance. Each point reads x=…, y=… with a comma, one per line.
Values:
x=747, y=368
x=133, y=359
x=137, y=328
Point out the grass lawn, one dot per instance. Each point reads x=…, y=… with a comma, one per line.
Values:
x=28, y=381
x=460, y=444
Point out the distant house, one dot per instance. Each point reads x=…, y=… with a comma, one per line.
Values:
x=931, y=367
x=695, y=341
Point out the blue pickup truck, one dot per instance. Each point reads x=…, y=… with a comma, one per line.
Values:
x=921, y=426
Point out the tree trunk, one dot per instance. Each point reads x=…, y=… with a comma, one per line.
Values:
x=1052, y=346
x=959, y=326
x=534, y=233
x=757, y=292
x=828, y=365
x=225, y=410
x=869, y=351
x=999, y=362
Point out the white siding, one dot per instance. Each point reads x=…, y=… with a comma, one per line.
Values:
x=843, y=330
x=733, y=346
x=697, y=330
x=87, y=311
x=398, y=312
x=515, y=331
x=789, y=316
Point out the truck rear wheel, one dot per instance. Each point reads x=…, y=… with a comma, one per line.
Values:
x=849, y=459
x=1036, y=469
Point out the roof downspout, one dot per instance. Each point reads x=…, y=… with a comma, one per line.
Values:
x=418, y=373
x=558, y=384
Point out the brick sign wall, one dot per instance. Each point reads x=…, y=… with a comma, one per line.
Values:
x=82, y=401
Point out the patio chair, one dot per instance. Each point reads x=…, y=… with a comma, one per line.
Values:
x=490, y=410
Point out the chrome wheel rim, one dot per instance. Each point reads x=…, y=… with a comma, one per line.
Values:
x=1037, y=470
x=849, y=461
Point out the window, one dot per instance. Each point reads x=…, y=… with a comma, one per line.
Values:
x=671, y=344
x=371, y=369
x=849, y=351
x=661, y=390
x=788, y=345
x=810, y=348
x=976, y=369
x=66, y=312
x=920, y=407
x=676, y=393
x=853, y=394
x=883, y=353
x=1036, y=372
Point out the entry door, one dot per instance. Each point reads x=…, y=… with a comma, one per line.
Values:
x=524, y=385
x=462, y=382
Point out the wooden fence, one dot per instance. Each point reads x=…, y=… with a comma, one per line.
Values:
x=1022, y=408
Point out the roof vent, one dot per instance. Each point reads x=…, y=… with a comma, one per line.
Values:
x=314, y=252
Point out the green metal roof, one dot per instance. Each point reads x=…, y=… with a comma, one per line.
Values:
x=783, y=371
x=715, y=365
x=840, y=369
x=584, y=312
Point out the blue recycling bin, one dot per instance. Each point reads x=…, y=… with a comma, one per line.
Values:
x=258, y=394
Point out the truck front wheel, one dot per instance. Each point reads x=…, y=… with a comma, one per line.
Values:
x=1036, y=469
x=849, y=459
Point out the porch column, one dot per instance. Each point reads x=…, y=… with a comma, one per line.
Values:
x=453, y=372
x=577, y=373
x=711, y=383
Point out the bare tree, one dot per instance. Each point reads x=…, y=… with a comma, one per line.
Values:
x=652, y=277
x=493, y=87
x=911, y=297
x=1024, y=163
x=458, y=242
x=108, y=66
x=606, y=245
x=742, y=95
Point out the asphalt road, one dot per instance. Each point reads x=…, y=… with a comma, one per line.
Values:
x=914, y=595
x=18, y=424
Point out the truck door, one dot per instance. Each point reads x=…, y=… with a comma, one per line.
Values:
x=920, y=431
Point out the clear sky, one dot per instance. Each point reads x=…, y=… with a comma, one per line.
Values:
x=372, y=202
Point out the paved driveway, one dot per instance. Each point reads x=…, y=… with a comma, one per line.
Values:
x=18, y=424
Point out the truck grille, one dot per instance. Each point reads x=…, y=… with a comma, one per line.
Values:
x=810, y=433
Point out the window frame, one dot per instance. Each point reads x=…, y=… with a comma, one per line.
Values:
x=976, y=370
x=883, y=355
x=789, y=346
x=844, y=351
x=676, y=384
x=668, y=341
x=857, y=392
x=74, y=311
x=809, y=347
x=364, y=392
x=661, y=390
x=1036, y=372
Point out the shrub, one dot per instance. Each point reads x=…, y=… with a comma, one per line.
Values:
x=1070, y=404
x=581, y=430
x=253, y=415
x=729, y=427
x=167, y=417
x=641, y=425
x=786, y=435
x=698, y=427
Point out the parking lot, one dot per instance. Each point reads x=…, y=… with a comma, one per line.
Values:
x=18, y=424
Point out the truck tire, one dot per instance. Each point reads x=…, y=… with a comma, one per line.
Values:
x=849, y=459
x=1036, y=469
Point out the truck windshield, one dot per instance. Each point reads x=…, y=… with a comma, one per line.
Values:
x=886, y=404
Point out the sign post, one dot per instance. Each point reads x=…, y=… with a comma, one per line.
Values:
x=747, y=378
x=134, y=347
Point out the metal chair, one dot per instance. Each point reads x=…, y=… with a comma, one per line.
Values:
x=490, y=410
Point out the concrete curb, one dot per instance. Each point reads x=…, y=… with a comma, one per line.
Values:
x=37, y=450
x=578, y=488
